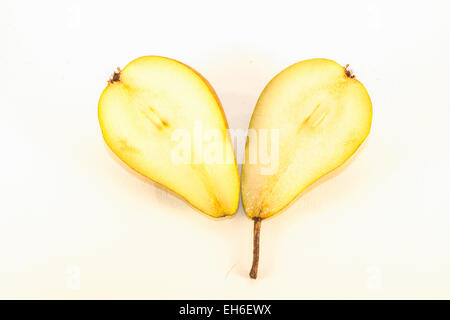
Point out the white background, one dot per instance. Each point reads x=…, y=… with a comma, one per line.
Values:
x=75, y=223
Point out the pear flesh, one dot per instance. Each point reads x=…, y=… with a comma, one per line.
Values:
x=154, y=115
x=320, y=115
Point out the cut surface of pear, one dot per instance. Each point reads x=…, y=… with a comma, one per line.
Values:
x=319, y=114
x=164, y=120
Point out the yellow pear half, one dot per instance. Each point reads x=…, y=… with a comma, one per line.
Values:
x=308, y=120
x=164, y=120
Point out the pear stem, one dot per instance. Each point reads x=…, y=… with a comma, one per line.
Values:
x=256, y=232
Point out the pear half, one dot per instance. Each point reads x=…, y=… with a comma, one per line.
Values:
x=164, y=120
x=311, y=117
